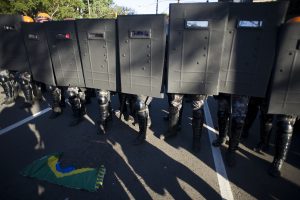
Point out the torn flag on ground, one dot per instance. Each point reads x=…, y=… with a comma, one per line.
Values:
x=48, y=168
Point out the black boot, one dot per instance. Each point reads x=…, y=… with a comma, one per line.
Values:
x=88, y=95
x=251, y=116
x=79, y=110
x=142, y=117
x=27, y=90
x=236, y=130
x=37, y=91
x=78, y=114
x=173, y=122
x=283, y=140
x=166, y=118
x=104, y=110
x=223, y=121
x=8, y=90
x=266, y=123
x=62, y=102
x=56, y=95
x=197, y=124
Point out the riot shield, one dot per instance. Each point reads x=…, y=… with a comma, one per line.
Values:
x=36, y=44
x=195, y=47
x=64, y=51
x=142, y=41
x=249, y=48
x=97, y=42
x=285, y=85
x=12, y=49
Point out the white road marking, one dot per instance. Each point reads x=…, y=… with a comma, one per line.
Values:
x=19, y=123
x=224, y=185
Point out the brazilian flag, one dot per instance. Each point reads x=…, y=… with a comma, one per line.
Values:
x=48, y=168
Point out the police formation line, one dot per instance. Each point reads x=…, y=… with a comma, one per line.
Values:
x=244, y=54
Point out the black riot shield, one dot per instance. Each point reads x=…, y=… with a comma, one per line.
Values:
x=12, y=49
x=249, y=48
x=285, y=85
x=64, y=51
x=97, y=42
x=195, y=47
x=142, y=41
x=38, y=52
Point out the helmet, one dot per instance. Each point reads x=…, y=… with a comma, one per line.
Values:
x=294, y=20
x=42, y=17
x=27, y=19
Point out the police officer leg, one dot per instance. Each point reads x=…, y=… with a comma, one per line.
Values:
x=169, y=97
x=180, y=118
x=174, y=112
x=8, y=89
x=62, y=102
x=283, y=140
x=16, y=88
x=37, y=91
x=198, y=119
x=8, y=93
x=103, y=101
x=77, y=106
x=266, y=124
x=27, y=89
x=82, y=100
x=239, y=111
x=56, y=99
x=88, y=95
x=253, y=108
x=142, y=111
x=223, y=119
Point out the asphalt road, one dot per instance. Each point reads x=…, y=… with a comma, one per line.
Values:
x=153, y=170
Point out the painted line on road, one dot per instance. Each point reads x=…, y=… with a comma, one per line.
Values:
x=224, y=185
x=19, y=123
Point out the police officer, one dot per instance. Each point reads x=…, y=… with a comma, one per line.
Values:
x=76, y=97
x=166, y=117
x=105, y=110
x=25, y=79
x=197, y=119
x=266, y=122
x=284, y=131
x=10, y=86
x=141, y=108
x=232, y=111
x=57, y=93
x=138, y=107
x=239, y=106
x=224, y=113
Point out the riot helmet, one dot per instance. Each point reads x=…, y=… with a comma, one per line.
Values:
x=42, y=17
x=27, y=19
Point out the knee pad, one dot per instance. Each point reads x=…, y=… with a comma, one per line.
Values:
x=3, y=79
x=140, y=106
x=72, y=92
x=50, y=88
x=285, y=126
x=103, y=97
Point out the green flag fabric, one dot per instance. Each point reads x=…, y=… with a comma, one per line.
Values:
x=48, y=168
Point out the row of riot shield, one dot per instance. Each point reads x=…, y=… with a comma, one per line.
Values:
x=89, y=52
x=223, y=47
x=211, y=48
x=235, y=48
